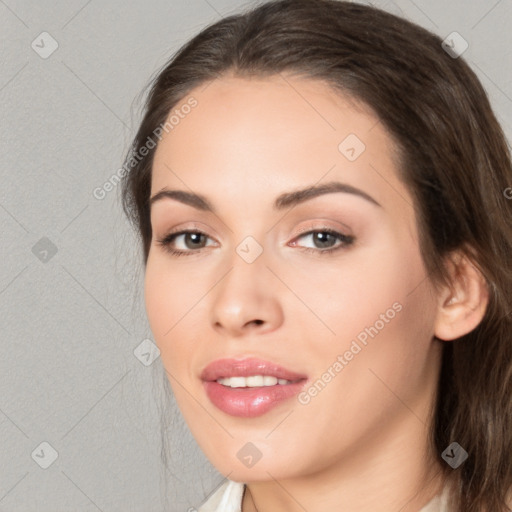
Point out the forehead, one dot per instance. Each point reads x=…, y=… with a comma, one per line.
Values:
x=272, y=134
x=278, y=108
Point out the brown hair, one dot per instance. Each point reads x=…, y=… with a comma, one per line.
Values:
x=453, y=158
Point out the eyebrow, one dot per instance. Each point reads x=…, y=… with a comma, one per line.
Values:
x=283, y=201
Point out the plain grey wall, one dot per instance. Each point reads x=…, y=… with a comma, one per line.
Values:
x=79, y=420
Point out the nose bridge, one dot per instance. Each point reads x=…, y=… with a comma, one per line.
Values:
x=247, y=269
x=249, y=250
x=243, y=296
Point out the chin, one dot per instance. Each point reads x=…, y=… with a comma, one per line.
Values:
x=262, y=470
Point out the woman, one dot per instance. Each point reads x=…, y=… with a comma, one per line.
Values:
x=322, y=193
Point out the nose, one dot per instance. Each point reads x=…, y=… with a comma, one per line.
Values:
x=246, y=300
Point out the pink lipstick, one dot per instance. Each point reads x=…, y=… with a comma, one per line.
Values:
x=249, y=387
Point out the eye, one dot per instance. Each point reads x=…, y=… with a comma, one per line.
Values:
x=192, y=240
x=325, y=237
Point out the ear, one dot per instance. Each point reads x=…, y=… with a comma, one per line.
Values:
x=461, y=306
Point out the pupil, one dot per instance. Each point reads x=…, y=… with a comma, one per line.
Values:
x=196, y=237
x=321, y=237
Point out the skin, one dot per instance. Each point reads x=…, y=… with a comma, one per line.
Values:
x=362, y=440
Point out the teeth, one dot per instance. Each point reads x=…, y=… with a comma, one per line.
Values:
x=253, y=381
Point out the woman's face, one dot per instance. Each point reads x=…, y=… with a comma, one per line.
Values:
x=348, y=314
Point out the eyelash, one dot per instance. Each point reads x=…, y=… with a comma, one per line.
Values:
x=346, y=240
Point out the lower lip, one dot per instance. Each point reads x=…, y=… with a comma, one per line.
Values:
x=250, y=402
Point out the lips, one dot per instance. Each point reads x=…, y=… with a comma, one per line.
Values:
x=248, y=402
x=223, y=368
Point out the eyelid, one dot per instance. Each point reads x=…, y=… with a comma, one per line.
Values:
x=319, y=224
x=191, y=226
x=315, y=225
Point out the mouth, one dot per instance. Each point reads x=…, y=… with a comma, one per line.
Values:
x=249, y=387
x=253, y=381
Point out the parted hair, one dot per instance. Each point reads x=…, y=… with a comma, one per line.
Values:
x=453, y=157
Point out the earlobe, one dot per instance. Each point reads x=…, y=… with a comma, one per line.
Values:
x=462, y=306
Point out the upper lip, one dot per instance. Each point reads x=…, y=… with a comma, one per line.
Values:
x=222, y=368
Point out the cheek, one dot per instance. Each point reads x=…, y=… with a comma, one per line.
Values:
x=168, y=297
x=350, y=293
x=384, y=324
x=157, y=301
x=378, y=304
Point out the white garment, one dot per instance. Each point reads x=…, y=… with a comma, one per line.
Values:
x=228, y=498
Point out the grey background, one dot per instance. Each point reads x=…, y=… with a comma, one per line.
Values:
x=72, y=316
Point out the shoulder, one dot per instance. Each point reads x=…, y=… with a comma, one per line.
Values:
x=227, y=498
x=439, y=503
